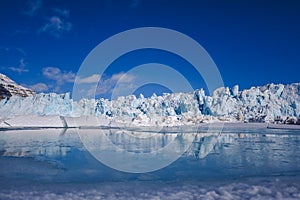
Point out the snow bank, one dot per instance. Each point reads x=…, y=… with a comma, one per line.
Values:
x=33, y=121
x=86, y=121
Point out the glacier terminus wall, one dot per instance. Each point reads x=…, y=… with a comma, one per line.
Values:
x=257, y=104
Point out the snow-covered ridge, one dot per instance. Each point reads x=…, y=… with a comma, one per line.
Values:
x=9, y=88
x=259, y=104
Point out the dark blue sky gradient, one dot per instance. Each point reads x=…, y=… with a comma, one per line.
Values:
x=252, y=42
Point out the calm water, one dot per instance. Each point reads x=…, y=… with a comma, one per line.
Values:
x=234, y=164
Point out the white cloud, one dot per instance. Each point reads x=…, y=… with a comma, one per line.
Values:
x=107, y=85
x=59, y=76
x=90, y=79
x=126, y=78
x=55, y=23
x=21, y=68
x=13, y=58
x=56, y=26
x=39, y=87
x=33, y=7
x=61, y=12
x=16, y=51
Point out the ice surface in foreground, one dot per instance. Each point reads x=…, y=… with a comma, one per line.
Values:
x=257, y=104
x=256, y=188
x=52, y=164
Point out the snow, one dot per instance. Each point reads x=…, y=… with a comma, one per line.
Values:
x=257, y=104
x=50, y=121
x=255, y=188
x=86, y=121
x=9, y=88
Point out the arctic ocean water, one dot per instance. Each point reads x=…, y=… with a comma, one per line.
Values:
x=234, y=164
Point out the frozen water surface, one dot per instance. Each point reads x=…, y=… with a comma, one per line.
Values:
x=234, y=164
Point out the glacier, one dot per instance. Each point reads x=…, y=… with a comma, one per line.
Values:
x=257, y=104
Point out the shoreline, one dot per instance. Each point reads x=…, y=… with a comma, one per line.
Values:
x=212, y=126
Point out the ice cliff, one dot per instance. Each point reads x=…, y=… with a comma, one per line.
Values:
x=260, y=104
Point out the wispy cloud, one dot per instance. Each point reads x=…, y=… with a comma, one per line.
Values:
x=21, y=68
x=12, y=50
x=55, y=22
x=56, y=26
x=33, y=7
x=13, y=58
x=56, y=74
x=61, y=12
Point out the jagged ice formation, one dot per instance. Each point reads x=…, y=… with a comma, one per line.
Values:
x=255, y=104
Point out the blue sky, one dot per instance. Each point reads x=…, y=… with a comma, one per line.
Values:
x=43, y=43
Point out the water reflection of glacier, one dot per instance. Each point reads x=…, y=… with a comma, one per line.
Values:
x=59, y=155
x=58, y=142
x=137, y=152
x=32, y=143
